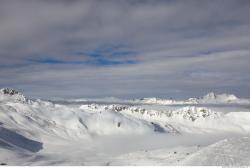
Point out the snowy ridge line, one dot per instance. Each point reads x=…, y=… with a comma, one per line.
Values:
x=191, y=113
x=210, y=98
x=186, y=119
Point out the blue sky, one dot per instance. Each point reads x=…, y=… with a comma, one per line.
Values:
x=127, y=48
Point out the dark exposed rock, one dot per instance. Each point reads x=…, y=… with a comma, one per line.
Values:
x=13, y=94
x=9, y=91
x=119, y=124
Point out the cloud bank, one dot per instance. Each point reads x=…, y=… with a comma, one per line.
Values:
x=125, y=48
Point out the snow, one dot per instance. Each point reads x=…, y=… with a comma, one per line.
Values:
x=38, y=132
x=210, y=98
x=220, y=98
x=227, y=152
x=11, y=94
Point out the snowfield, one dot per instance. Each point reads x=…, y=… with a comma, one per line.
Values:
x=148, y=131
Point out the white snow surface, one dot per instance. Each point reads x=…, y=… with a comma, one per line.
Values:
x=210, y=98
x=37, y=132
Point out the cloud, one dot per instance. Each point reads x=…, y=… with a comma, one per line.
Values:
x=152, y=48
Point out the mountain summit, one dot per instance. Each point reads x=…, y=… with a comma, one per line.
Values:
x=8, y=93
x=212, y=97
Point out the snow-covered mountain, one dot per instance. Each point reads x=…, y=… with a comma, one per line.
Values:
x=210, y=98
x=191, y=113
x=11, y=95
x=38, y=132
x=219, y=98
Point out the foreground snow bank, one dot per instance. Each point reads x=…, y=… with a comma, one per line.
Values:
x=228, y=152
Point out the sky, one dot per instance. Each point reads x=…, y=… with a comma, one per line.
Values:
x=125, y=48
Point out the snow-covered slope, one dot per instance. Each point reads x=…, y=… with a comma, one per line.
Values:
x=37, y=132
x=227, y=152
x=182, y=120
x=60, y=120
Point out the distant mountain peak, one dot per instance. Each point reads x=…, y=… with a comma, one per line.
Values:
x=209, y=98
x=210, y=95
x=9, y=93
x=224, y=96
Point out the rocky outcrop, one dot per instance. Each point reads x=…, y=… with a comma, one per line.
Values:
x=11, y=94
